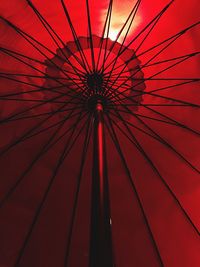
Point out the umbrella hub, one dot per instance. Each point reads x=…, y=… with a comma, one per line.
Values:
x=95, y=82
x=94, y=100
x=96, y=91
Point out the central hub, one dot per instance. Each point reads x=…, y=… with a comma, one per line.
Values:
x=95, y=82
x=95, y=87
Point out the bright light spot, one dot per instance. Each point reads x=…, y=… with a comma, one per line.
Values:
x=120, y=13
x=113, y=34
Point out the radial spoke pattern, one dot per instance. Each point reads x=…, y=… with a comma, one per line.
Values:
x=49, y=92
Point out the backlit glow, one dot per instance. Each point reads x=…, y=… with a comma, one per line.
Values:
x=113, y=34
x=120, y=14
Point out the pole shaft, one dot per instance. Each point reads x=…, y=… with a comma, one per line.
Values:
x=101, y=237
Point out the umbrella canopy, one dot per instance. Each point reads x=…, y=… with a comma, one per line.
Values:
x=140, y=61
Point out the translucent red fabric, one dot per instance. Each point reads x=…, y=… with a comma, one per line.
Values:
x=154, y=187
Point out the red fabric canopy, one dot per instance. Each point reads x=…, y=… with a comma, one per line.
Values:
x=156, y=217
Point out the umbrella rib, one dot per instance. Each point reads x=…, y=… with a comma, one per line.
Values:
x=178, y=124
x=77, y=42
x=158, y=62
x=44, y=114
x=143, y=30
x=163, y=141
x=45, y=64
x=143, y=116
x=169, y=60
x=191, y=80
x=31, y=66
x=115, y=140
x=155, y=169
x=135, y=10
x=45, y=24
x=30, y=100
x=160, y=105
x=30, y=40
x=138, y=128
x=102, y=68
x=79, y=180
x=90, y=35
x=10, y=53
x=173, y=38
x=173, y=65
x=20, y=140
x=28, y=135
x=67, y=148
x=35, y=76
x=42, y=89
x=51, y=100
x=175, y=85
x=48, y=145
x=169, y=146
x=51, y=89
x=165, y=69
x=159, y=79
x=107, y=20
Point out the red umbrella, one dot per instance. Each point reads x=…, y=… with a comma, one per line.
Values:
x=99, y=147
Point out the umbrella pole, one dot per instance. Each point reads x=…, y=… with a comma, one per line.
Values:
x=100, y=231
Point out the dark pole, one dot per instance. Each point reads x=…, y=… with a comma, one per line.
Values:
x=100, y=235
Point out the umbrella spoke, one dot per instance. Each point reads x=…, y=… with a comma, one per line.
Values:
x=31, y=41
x=158, y=16
x=135, y=127
x=90, y=35
x=31, y=66
x=165, y=69
x=49, y=101
x=53, y=34
x=52, y=141
x=67, y=148
x=122, y=85
x=31, y=100
x=187, y=81
x=10, y=53
x=107, y=36
x=173, y=65
x=44, y=64
x=158, y=63
x=161, y=139
x=36, y=76
x=30, y=133
x=169, y=60
x=168, y=145
x=78, y=45
x=107, y=21
x=169, y=42
x=143, y=116
x=133, y=13
x=79, y=180
x=51, y=89
x=139, y=147
x=177, y=123
x=115, y=140
x=159, y=113
x=45, y=113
